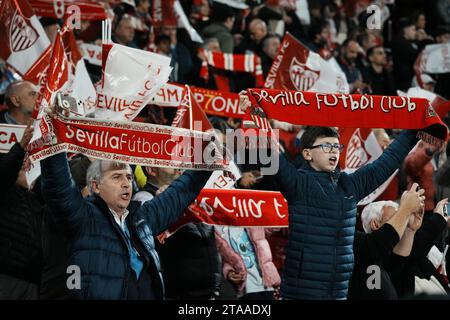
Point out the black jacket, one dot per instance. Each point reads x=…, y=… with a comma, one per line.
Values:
x=373, y=249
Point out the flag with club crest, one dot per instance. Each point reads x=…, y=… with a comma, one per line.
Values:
x=297, y=68
x=25, y=46
x=361, y=148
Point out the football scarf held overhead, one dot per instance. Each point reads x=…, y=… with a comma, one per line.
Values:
x=133, y=143
x=238, y=208
x=346, y=110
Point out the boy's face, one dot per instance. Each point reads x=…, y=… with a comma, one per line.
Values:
x=321, y=160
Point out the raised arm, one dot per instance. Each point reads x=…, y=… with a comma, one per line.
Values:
x=60, y=192
x=163, y=210
x=371, y=176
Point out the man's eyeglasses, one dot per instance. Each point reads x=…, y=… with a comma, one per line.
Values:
x=329, y=147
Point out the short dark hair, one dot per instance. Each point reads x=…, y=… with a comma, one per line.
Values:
x=221, y=12
x=371, y=50
x=312, y=133
x=161, y=38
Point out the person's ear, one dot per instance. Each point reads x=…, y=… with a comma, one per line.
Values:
x=307, y=154
x=94, y=186
x=15, y=101
x=374, y=225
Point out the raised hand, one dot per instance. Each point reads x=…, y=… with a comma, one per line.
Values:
x=27, y=135
x=413, y=200
x=244, y=101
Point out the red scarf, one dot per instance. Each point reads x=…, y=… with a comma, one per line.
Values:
x=346, y=110
x=129, y=142
x=232, y=62
x=239, y=208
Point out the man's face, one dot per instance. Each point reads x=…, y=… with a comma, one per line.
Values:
x=125, y=30
x=378, y=57
x=258, y=32
x=271, y=47
x=115, y=189
x=321, y=160
x=351, y=51
x=170, y=31
x=25, y=98
x=214, y=46
x=410, y=32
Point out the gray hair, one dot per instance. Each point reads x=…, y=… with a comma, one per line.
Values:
x=374, y=211
x=98, y=167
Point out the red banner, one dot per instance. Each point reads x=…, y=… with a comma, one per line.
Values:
x=133, y=143
x=239, y=208
x=345, y=110
x=89, y=10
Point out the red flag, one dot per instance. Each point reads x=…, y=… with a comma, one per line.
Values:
x=297, y=68
x=189, y=112
x=25, y=46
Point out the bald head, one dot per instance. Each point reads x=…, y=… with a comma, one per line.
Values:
x=257, y=29
x=20, y=97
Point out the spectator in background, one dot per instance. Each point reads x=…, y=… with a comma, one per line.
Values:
x=379, y=79
x=123, y=32
x=247, y=262
x=366, y=40
x=189, y=258
x=405, y=52
x=181, y=58
x=347, y=60
x=20, y=99
x=442, y=35
x=222, y=19
x=51, y=27
x=257, y=31
x=270, y=45
x=319, y=34
x=389, y=230
x=420, y=22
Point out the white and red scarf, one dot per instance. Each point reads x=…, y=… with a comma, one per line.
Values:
x=232, y=62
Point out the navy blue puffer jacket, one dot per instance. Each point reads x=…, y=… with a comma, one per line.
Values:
x=322, y=216
x=97, y=244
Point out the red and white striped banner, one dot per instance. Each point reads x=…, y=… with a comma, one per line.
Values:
x=133, y=143
x=232, y=62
